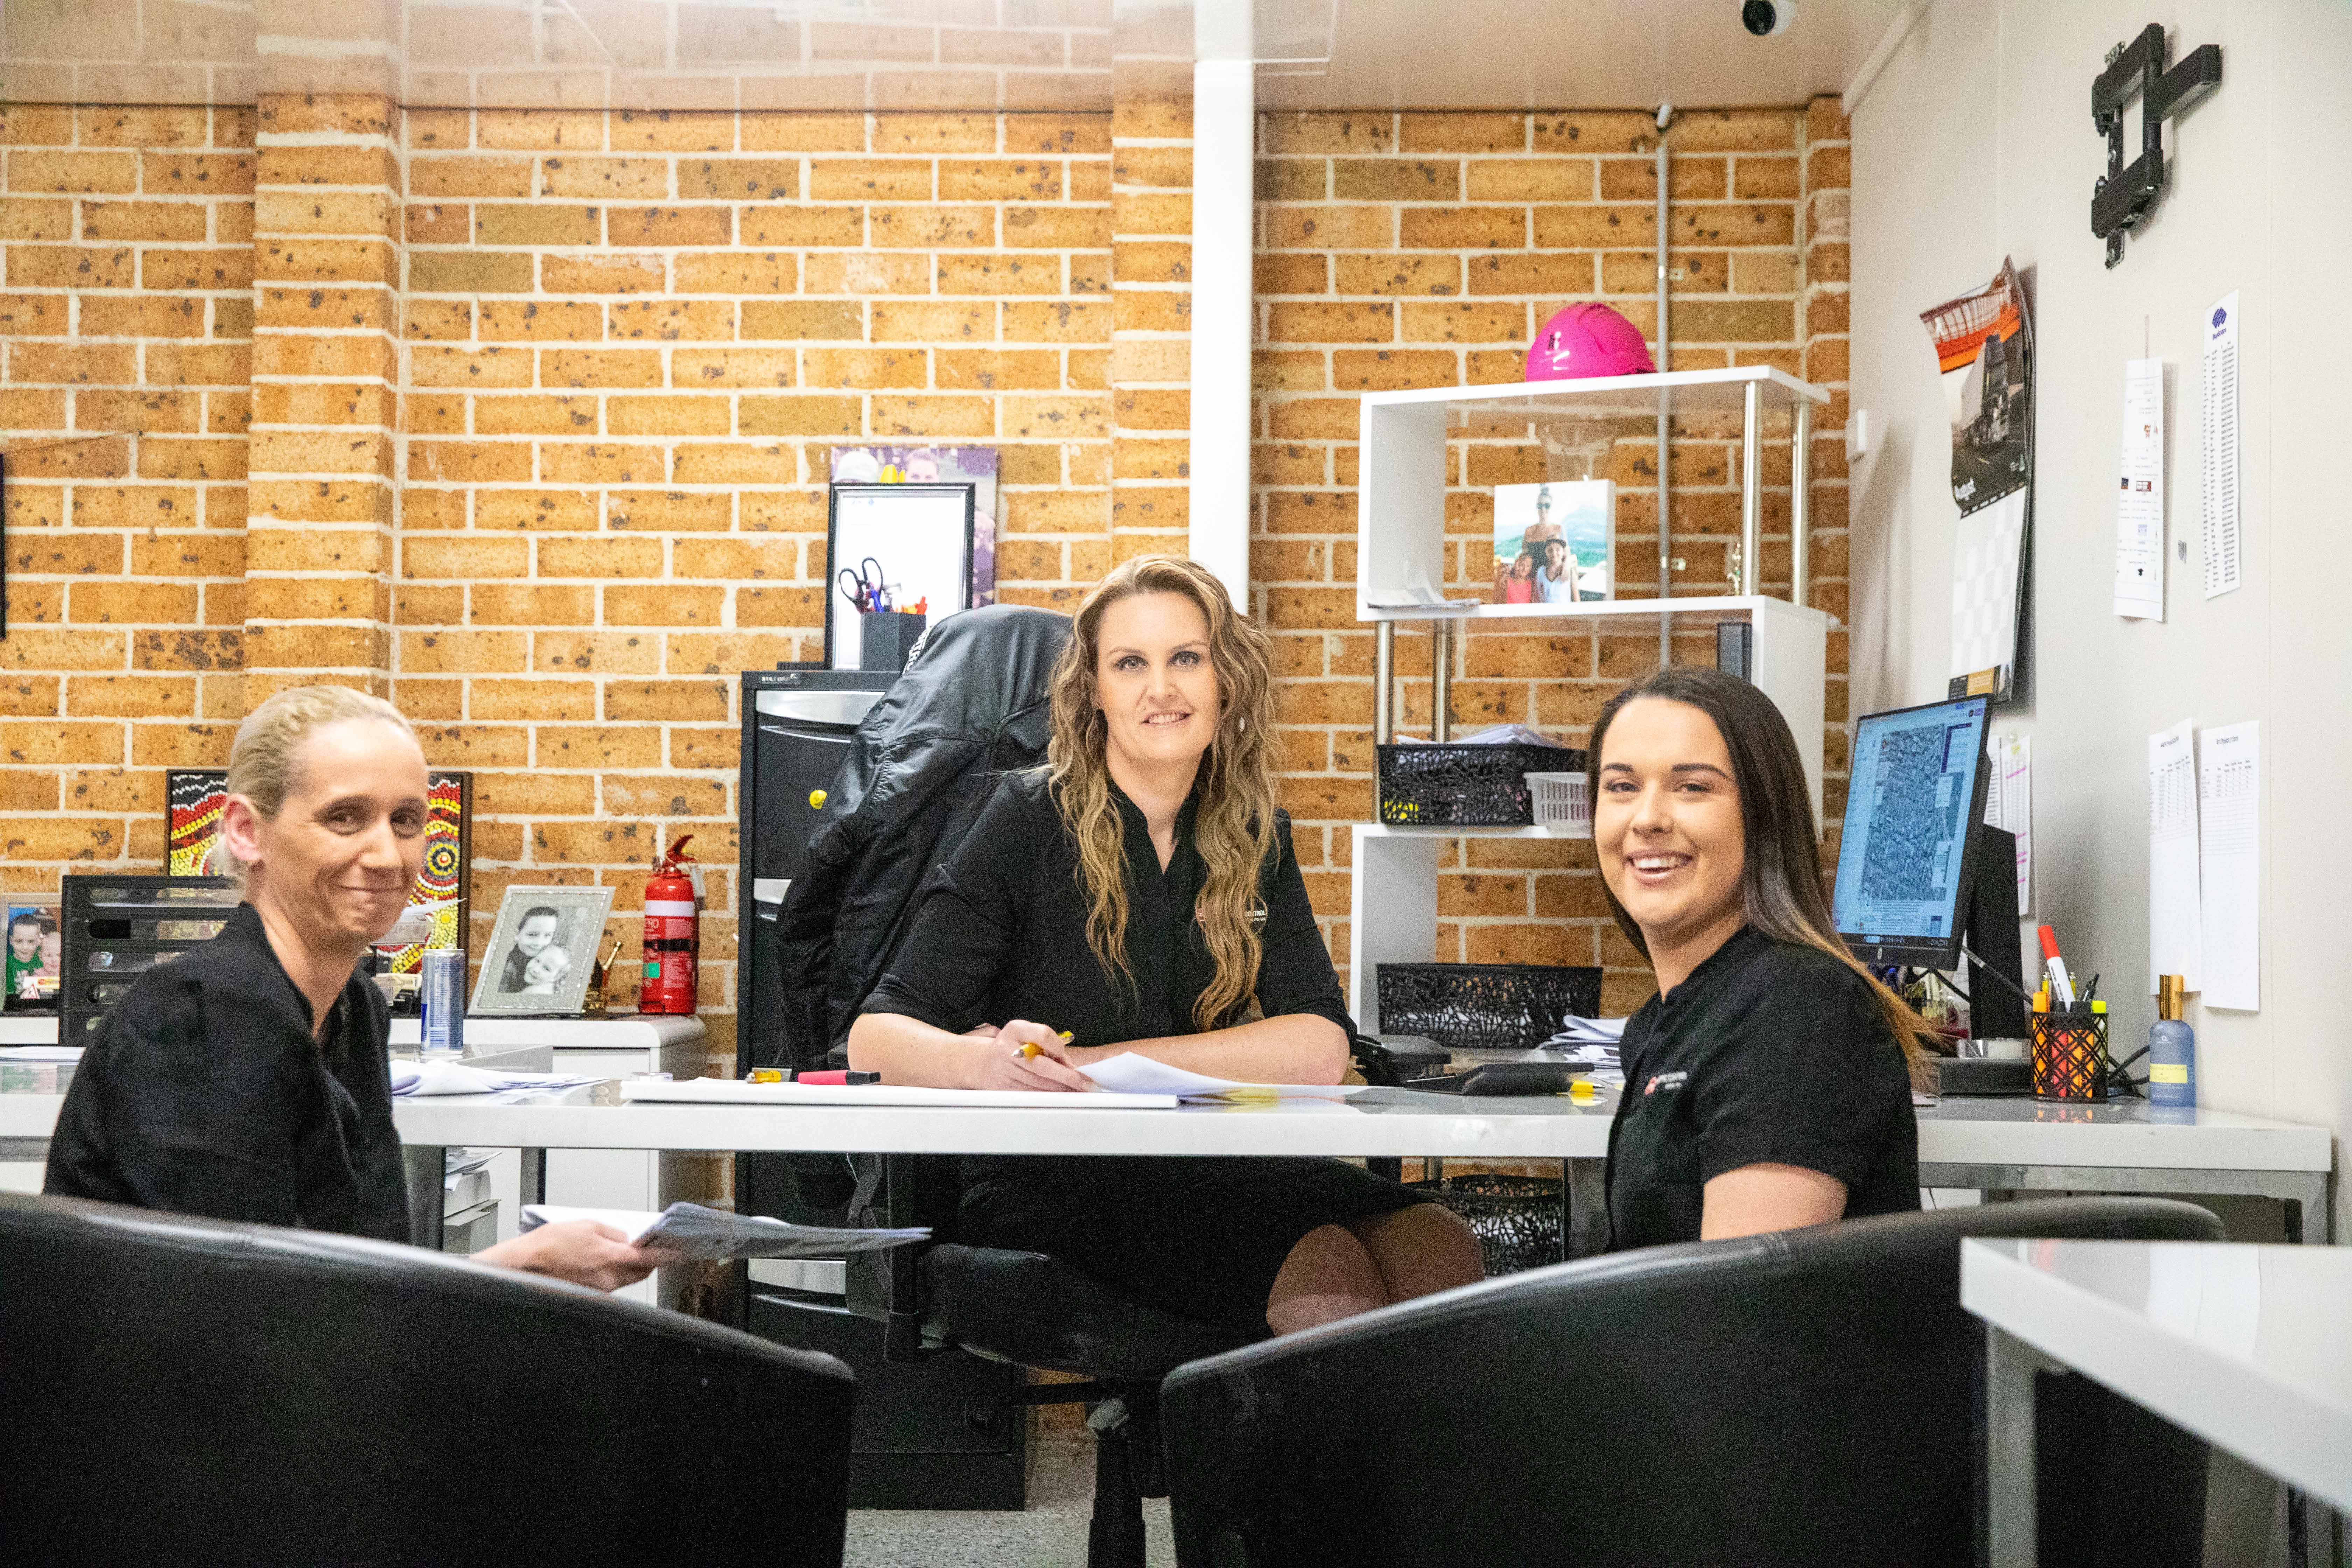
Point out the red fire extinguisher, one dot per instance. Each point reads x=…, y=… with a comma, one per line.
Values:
x=672, y=936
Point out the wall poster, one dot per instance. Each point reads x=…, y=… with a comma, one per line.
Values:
x=1984, y=350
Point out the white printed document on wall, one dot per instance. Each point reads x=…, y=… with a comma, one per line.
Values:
x=2229, y=848
x=2008, y=803
x=2139, y=501
x=2174, y=915
x=2217, y=394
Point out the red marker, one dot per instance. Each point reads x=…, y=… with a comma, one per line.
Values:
x=839, y=1077
x=2061, y=988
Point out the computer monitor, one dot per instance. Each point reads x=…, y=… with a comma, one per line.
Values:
x=1914, y=833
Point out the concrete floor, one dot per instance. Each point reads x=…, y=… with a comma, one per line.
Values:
x=1052, y=1534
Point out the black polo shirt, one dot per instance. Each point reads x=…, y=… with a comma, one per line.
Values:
x=204, y=1092
x=1770, y=1051
x=999, y=932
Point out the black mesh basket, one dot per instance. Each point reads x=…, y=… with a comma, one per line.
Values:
x=1465, y=787
x=1484, y=1006
x=1516, y=1219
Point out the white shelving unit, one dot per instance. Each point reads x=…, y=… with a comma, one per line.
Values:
x=1400, y=542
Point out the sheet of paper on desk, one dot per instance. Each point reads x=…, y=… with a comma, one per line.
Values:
x=2228, y=863
x=713, y=1236
x=2175, y=918
x=1127, y=1073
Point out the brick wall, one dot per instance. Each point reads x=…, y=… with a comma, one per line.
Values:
x=542, y=401
x=127, y=320
x=1421, y=250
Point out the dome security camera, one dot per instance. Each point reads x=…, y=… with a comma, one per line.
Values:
x=1767, y=18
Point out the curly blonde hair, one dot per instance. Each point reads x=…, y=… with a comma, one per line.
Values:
x=1235, y=826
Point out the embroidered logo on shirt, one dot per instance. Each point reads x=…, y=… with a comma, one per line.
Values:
x=1665, y=1080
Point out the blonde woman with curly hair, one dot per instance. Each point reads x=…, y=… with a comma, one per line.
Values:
x=1139, y=893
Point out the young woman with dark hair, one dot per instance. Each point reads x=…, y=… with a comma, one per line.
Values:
x=1768, y=1084
x=1139, y=893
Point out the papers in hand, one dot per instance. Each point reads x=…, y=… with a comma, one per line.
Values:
x=703, y=1234
x=413, y=1079
x=1128, y=1073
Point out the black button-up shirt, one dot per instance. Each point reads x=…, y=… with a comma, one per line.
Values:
x=204, y=1092
x=1770, y=1051
x=999, y=932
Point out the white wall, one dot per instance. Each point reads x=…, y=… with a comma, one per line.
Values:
x=1976, y=143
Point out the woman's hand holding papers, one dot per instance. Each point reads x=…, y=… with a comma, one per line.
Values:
x=581, y=1251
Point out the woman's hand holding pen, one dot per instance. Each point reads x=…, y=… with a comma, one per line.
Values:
x=1022, y=1054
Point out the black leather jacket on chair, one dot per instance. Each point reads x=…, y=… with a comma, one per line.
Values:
x=972, y=704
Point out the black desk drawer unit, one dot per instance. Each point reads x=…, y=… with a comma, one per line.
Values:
x=118, y=927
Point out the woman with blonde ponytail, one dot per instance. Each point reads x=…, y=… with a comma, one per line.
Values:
x=1139, y=893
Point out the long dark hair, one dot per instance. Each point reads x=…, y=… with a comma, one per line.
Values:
x=1780, y=885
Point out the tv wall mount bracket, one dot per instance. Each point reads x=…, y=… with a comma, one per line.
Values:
x=2124, y=196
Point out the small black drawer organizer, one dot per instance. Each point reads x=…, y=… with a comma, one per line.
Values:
x=118, y=927
x=1485, y=1007
x=1424, y=786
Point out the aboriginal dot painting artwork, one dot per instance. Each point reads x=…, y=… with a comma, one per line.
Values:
x=195, y=797
x=440, y=888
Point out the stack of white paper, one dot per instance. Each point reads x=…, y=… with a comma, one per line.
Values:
x=703, y=1234
x=1128, y=1073
x=413, y=1079
x=40, y=1053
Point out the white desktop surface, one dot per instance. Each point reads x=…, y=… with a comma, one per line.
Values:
x=2022, y=1131
x=2248, y=1347
x=1378, y=1122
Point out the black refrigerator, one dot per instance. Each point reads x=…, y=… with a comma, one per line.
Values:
x=941, y=1432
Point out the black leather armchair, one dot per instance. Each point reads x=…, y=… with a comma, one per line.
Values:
x=1806, y=1398
x=178, y=1390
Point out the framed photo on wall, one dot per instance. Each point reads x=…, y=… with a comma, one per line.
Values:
x=909, y=545
x=543, y=951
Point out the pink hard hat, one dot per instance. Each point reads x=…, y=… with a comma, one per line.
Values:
x=1588, y=340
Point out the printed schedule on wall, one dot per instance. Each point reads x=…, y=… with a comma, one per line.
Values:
x=2218, y=394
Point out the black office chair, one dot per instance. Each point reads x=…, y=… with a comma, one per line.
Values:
x=1033, y=1310
x=180, y=1390
x=1811, y=1397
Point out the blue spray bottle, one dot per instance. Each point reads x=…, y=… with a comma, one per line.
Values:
x=2172, y=1048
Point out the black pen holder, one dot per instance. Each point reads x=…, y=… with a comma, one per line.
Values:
x=885, y=639
x=2070, y=1055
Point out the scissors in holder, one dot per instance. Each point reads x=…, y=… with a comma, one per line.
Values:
x=867, y=593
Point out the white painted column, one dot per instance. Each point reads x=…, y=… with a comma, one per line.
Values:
x=1224, y=127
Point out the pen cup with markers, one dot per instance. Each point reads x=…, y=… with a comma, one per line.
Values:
x=2070, y=1055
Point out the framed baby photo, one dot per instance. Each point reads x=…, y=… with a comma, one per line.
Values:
x=35, y=965
x=543, y=951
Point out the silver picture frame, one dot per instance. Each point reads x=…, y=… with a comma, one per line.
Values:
x=543, y=952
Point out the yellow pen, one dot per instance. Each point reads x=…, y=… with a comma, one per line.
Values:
x=1030, y=1050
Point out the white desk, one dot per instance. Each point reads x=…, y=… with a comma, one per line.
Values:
x=2247, y=1347
x=1996, y=1144
x=634, y=1176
